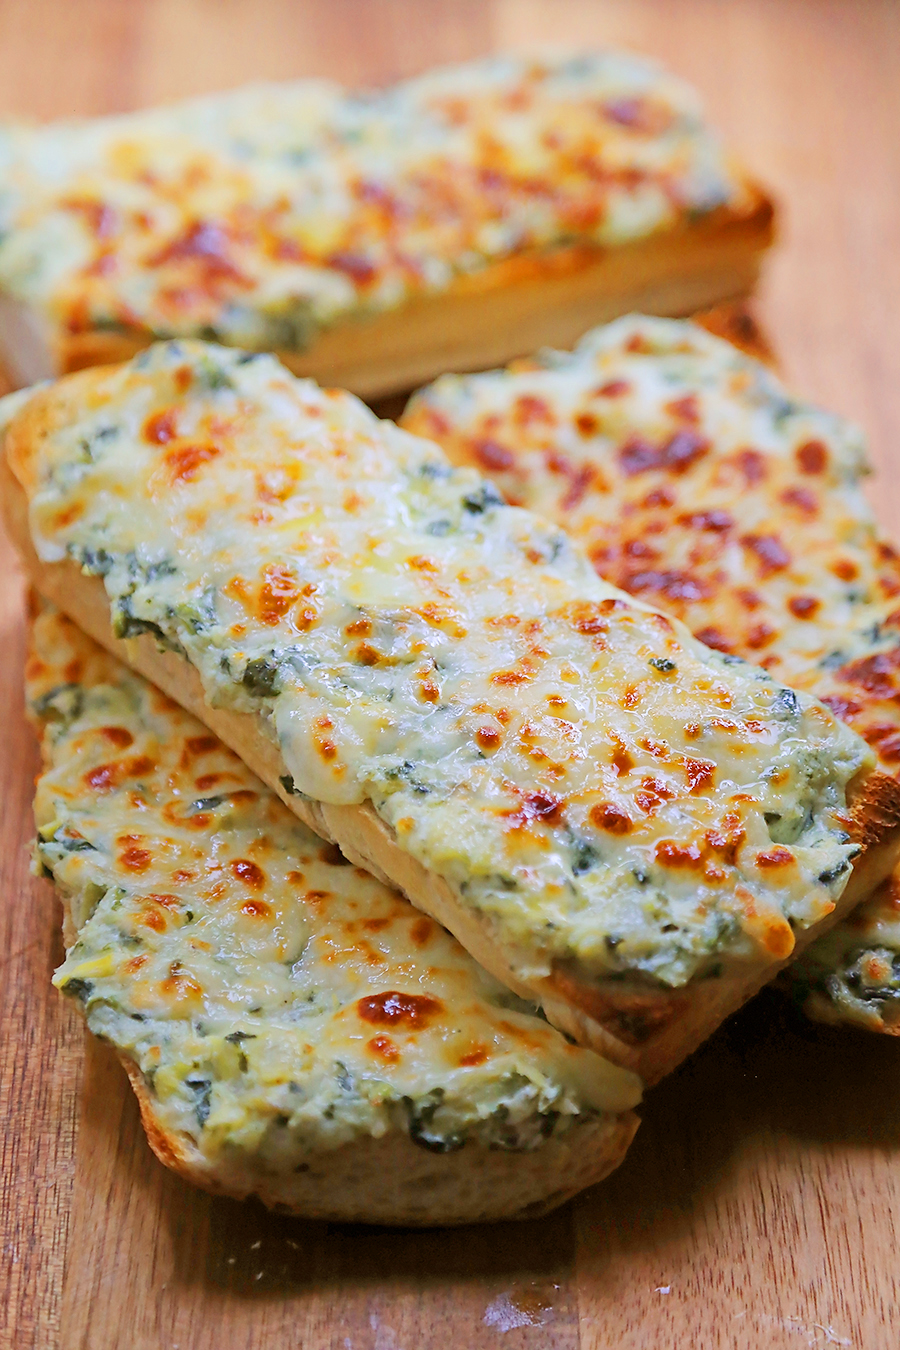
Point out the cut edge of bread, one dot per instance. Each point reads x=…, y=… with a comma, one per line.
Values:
x=395, y=1182
x=508, y=309
x=392, y=1180
x=638, y=1026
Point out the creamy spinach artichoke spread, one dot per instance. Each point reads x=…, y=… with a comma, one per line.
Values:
x=694, y=480
x=602, y=791
x=852, y=973
x=259, y=216
x=276, y=1000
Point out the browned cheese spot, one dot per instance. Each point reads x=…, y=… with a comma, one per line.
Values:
x=248, y=873
x=382, y=1047
x=407, y=1012
x=610, y=818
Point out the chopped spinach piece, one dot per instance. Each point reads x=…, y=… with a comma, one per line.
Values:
x=586, y=857
x=80, y=989
x=434, y=469
x=164, y=568
x=261, y=676
x=70, y=845
x=96, y=561
x=420, y=1116
x=344, y=1077
x=64, y=703
x=786, y=705
x=125, y=625
x=407, y=771
x=482, y=500
x=832, y=873
x=202, y=1090
x=209, y=374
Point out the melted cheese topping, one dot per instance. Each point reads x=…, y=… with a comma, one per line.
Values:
x=276, y=1000
x=693, y=480
x=258, y=216
x=598, y=787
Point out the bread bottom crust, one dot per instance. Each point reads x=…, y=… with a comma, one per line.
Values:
x=508, y=309
x=393, y=1181
x=641, y=1027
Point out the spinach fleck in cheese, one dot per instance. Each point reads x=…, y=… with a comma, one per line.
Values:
x=600, y=790
x=694, y=481
x=276, y=1000
x=259, y=216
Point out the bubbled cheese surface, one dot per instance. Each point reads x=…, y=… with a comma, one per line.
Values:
x=258, y=216
x=276, y=1000
x=595, y=784
x=694, y=480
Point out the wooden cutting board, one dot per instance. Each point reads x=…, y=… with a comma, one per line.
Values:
x=757, y=1206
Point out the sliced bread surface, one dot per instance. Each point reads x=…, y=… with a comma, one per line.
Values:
x=613, y=819
x=449, y=222
x=292, y=1029
x=695, y=480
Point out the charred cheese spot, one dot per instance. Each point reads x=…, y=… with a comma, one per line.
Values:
x=488, y=738
x=804, y=606
x=201, y=745
x=768, y=551
x=812, y=457
x=256, y=909
x=775, y=857
x=248, y=873
x=699, y=773
x=161, y=427
x=277, y=593
x=668, y=853
x=135, y=859
x=120, y=737
x=382, y=1047
x=185, y=463
x=422, y=932
x=493, y=456
x=608, y=817
x=402, y=1011
x=102, y=778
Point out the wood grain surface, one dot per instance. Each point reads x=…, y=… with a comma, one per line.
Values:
x=757, y=1207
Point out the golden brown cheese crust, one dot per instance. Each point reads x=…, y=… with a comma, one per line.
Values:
x=230, y=429
x=693, y=481
x=297, y=218
x=289, y=1024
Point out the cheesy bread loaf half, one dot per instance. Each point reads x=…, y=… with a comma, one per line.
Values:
x=693, y=480
x=374, y=240
x=292, y=1029
x=618, y=822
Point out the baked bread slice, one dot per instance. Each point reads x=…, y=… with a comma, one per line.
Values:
x=292, y=1029
x=448, y=223
x=569, y=782
x=694, y=480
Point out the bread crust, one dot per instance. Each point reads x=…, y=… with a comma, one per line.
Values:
x=393, y=1181
x=639, y=1026
x=505, y=310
